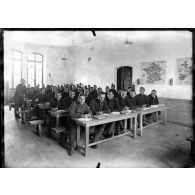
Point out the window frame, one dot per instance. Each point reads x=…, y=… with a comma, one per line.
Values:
x=14, y=59
x=35, y=61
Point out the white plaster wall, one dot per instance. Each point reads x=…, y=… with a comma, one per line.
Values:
x=106, y=55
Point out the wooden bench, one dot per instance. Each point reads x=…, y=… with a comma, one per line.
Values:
x=24, y=114
x=38, y=124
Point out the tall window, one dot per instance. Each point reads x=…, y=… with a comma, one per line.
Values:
x=35, y=69
x=16, y=67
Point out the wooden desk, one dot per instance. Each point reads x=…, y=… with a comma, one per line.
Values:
x=44, y=107
x=149, y=110
x=58, y=115
x=95, y=122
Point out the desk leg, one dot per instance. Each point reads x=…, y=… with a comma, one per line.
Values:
x=125, y=125
x=78, y=135
x=86, y=140
x=157, y=115
x=131, y=123
x=57, y=121
x=165, y=115
x=135, y=126
x=141, y=124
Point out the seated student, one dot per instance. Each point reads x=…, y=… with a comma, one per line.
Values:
x=129, y=102
x=98, y=107
x=70, y=99
x=142, y=99
x=88, y=97
x=57, y=103
x=153, y=100
x=113, y=105
x=30, y=94
x=113, y=89
x=78, y=109
x=39, y=98
x=129, y=91
x=65, y=93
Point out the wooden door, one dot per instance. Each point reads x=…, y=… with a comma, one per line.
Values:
x=124, y=77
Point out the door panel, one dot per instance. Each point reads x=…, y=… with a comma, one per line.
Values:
x=124, y=77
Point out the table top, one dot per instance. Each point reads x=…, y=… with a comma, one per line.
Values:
x=44, y=106
x=59, y=113
x=110, y=118
x=153, y=109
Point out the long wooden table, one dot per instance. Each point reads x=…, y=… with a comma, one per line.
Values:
x=95, y=122
x=142, y=112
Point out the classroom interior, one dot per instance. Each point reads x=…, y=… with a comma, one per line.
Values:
x=103, y=58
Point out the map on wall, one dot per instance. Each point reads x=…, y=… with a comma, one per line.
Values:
x=153, y=72
x=184, y=71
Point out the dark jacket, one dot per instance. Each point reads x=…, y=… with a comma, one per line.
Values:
x=129, y=102
x=113, y=105
x=97, y=106
x=76, y=110
x=152, y=100
x=69, y=101
x=41, y=98
x=141, y=100
x=19, y=94
x=60, y=104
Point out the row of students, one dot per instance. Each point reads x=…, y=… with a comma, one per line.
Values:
x=86, y=101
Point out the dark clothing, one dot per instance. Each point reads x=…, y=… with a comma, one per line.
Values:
x=19, y=97
x=120, y=100
x=76, y=110
x=141, y=100
x=69, y=101
x=97, y=106
x=50, y=96
x=152, y=100
x=88, y=100
x=61, y=105
x=129, y=102
x=113, y=105
x=41, y=98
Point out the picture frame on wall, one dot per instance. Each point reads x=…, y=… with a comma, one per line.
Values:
x=153, y=72
x=184, y=71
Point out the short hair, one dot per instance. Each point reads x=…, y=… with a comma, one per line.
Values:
x=111, y=90
x=133, y=91
x=142, y=88
x=102, y=93
x=154, y=90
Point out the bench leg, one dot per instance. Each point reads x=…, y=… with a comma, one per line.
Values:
x=39, y=130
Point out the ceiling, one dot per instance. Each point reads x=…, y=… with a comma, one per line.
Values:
x=68, y=38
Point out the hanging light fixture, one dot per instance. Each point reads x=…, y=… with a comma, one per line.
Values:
x=127, y=42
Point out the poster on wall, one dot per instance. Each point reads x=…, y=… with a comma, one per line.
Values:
x=153, y=72
x=184, y=71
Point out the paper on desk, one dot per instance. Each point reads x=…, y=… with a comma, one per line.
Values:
x=84, y=119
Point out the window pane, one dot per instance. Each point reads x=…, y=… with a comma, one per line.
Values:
x=39, y=57
x=31, y=73
x=31, y=57
x=17, y=55
x=39, y=73
x=17, y=72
